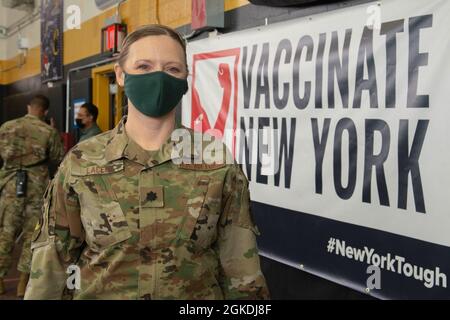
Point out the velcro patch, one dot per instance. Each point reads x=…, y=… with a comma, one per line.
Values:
x=152, y=197
x=201, y=166
x=94, y=170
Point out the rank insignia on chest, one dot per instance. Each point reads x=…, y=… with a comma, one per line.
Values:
x=152, y=197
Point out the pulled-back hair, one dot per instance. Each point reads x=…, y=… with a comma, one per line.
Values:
x=145, y=31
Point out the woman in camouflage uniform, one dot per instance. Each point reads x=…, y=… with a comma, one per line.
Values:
x=133, y=221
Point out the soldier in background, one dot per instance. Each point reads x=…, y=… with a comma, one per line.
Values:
x=27, y=145
x=87, y=121
x=127, y=220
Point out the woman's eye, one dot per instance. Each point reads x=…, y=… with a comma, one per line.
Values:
x=174, y=70
x=143, y=67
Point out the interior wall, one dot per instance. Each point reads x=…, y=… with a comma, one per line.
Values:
x=15, y=105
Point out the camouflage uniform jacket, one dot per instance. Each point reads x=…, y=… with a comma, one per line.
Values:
x=28, y=143
x=140, y=226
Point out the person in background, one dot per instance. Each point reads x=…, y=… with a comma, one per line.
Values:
x=87, y=121
x=27, y=145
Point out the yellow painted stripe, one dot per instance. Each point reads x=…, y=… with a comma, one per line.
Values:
x=31, y=67
x=233, y=4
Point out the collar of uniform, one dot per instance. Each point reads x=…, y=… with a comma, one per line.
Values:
x=136, y=153
x=195, y=149
x=84, y=130
x=119, y=146
x=32, y=116
x=165, y=152
x=115, y=147
x=94, y=127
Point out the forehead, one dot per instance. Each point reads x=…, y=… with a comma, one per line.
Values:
x=161, y=47
x=83, y=110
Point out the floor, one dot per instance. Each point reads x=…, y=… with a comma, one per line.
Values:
x=12, y=279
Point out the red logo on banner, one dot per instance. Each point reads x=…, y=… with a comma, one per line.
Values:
x=220, y=115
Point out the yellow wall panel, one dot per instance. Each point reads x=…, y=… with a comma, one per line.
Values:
x=2, y=74
x=138, y=12
x=233, y=4
x=31, y=67
x=84, y=42
x=175, y=13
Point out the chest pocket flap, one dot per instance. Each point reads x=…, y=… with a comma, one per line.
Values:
x=101, y=214
x=194, y=206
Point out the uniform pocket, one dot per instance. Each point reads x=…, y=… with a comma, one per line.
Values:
x=41, y=231
x=101, y=214
x=198, y=224
x=105, y=225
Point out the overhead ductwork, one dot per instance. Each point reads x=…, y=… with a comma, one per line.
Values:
x=26, y=5
x=103, y=4
x=33, y=13
x=290, y=3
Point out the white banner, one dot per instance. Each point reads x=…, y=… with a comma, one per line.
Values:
x=359, y=98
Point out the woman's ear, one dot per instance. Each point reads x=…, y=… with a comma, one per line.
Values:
x=120, y=75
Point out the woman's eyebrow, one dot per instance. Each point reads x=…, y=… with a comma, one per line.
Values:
x=150, y=61
x=142, y=60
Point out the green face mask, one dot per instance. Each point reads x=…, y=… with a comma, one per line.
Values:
x=154, y=94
